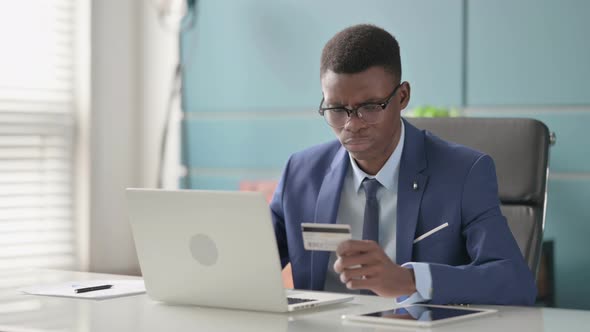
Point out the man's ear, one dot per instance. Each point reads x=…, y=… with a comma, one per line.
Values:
x=405, y=94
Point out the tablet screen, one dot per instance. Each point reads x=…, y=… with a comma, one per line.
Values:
x=423, y=313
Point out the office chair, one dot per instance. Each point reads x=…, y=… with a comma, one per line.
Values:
x=520, y=149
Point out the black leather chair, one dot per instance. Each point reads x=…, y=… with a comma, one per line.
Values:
x=520, y=149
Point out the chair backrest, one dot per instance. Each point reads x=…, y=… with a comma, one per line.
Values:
x=520, y=149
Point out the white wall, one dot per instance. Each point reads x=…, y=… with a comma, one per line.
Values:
x=131, y=69
x=158, y=56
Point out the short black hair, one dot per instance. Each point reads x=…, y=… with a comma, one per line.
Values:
x=359, y=47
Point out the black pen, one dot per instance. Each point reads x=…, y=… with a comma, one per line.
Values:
x=93, y=288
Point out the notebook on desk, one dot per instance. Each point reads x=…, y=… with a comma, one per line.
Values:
x=212, y=248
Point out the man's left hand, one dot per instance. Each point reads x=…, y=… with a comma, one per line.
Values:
x=364, y=265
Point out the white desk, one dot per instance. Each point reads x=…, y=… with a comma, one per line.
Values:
x=20, y=312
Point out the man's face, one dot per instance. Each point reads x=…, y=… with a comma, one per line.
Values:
x=369, y=144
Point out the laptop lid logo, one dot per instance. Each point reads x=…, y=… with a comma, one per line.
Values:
x=203, y=249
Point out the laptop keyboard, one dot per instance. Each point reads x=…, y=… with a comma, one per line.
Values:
x=295, y=300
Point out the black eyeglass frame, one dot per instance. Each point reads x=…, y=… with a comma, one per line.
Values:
x=350, y=112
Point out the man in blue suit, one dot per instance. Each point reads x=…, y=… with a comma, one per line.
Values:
x=424, y=212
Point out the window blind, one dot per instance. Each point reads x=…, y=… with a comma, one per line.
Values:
x=37, y=126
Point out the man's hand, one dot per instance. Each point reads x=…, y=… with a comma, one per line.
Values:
x=364, y=265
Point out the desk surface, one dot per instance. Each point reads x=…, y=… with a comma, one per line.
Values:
x=19, y=312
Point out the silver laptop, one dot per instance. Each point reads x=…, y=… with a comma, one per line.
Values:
x=212, y=248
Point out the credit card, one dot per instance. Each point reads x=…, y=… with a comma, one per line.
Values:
x=324, y=237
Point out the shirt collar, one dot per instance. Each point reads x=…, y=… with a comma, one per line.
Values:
x=386, y=175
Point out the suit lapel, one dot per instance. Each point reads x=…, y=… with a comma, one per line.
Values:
x=412, y=184
x=326, y=212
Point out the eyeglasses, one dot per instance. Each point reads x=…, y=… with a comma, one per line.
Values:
x=370, y=113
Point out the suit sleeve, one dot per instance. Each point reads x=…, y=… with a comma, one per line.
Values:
x=497, y=273
x=278, y=217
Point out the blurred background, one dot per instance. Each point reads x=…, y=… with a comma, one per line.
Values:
x=97, y=96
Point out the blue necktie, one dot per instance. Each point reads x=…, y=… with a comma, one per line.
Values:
x=371, y=221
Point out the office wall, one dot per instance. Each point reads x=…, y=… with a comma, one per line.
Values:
x=133, y=59
x=251, y=76
x=251, y=88
x=528, y=52
x=114, y=157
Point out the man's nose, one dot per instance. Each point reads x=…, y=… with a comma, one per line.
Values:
x=354, y=123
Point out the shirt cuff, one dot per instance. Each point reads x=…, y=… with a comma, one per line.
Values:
x=423, y=283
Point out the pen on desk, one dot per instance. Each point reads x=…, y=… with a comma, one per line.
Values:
x=93, y=288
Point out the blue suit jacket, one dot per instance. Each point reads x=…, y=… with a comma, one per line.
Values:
x=473, y=260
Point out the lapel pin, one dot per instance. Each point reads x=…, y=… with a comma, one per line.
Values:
x=415, y=186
